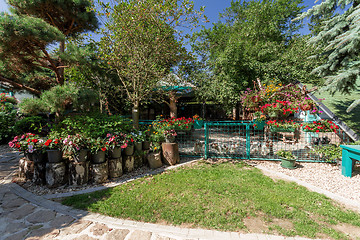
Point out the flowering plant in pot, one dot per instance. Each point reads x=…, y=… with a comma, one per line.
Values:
x=320, y=126
x=78, y=146
x=170, y=135
x=116, y=142
x=53, y=146
x=287, y=159
x=282, y=125
x=98, y=147
x=31, y=145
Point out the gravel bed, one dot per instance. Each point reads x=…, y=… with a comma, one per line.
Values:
x=323, y=175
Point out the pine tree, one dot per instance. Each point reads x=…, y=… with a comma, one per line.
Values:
x=27, y=34
x=340, y=37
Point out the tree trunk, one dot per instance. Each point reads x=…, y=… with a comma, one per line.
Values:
x=135, y=115
x=60, y=71
x=55, y=174
x=128, y=163
x=78, y=173
x=172, y=105
x=99, y=172
x=115, y=167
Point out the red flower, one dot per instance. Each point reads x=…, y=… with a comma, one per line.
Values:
x=132, y=140
x=103, y=149
x=34, y=140
x=48, y=142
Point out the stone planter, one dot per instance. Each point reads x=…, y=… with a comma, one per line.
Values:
x=146, y=145
x=128, y=163
x=99, y=172
x=115, y=153
x=115, y=167
x=138, y=161
x=138, y=146
x=154, y=160
x=55, y=174
x=98, y=157
x=39, y=173
x=82, y=155
x=170, y=153
x=78, y=173
x=54, y=156
x=129, y=150
x=26, y=169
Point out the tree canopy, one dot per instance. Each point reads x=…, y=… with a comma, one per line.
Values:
x=255, y=39
x=142, y=42
x=30, y=32
x=339, y=36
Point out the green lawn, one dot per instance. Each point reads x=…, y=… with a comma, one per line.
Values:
x=224, y=196
x=338, y=103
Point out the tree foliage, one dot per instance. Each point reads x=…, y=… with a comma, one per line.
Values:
x=28, y=34
x=256, y=39
x=142, y=41
x=339, y=36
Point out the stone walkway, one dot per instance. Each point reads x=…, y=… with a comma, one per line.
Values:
x=24, y=215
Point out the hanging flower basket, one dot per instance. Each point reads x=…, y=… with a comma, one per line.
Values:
x=198, y=124
x=306, y=107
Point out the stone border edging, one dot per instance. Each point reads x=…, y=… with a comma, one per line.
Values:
x=117, y=183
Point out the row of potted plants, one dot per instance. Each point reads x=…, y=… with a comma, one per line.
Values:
x=291, y=126
x=277, y=101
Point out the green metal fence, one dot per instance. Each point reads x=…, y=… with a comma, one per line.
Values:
x=243, y=140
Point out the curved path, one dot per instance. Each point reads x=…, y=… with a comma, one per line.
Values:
x=24, y=215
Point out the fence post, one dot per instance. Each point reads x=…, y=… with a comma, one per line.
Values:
x=206, y=140
x=248, y=140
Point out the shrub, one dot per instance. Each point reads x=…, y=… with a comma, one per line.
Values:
x=33, y=124
x=32, y=106
x=7, y=120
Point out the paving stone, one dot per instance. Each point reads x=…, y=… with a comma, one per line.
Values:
x=14, y=227
x=85, y=237
x=164, y=238
x=137, y=235
x=99, y=229
x=61, y=221
x=22, y=212
x=9, y=202
x=76, y=227
x=117, y=234
x=41, y=216
x=17, y=236
x=43, y=234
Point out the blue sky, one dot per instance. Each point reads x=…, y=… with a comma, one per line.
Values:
x=212, y=10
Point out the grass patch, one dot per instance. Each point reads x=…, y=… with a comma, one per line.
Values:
x=226, y=196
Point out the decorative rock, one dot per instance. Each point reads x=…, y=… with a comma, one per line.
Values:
x=154, y=160
x=128, y=163
x=22, y=212
x=138, y=161
x=117, y=234
x=55, y=174
x=39, y=173
x=78, y=173
x=170, y=152
x=115, y=167
x=137, y=234
x=99, y=172
x=99, y=229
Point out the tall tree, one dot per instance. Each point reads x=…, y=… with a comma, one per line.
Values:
x=340, y=38
x=142, y=40
x=27, y=34
x=244, y=46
